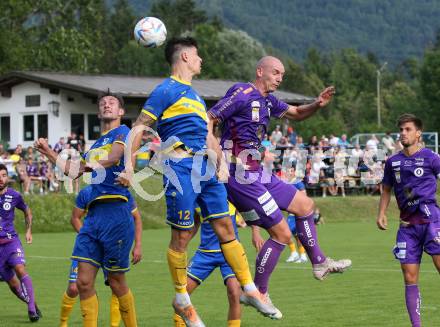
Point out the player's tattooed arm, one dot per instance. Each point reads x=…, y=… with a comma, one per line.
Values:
x=305, y=111
x=28, y=223
x=144, y=119
x=385, y=197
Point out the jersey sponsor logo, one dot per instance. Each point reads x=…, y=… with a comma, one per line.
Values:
x=418, y=172
x=395, y=163
x=264, y=198
x=307, y=228
x=413, y=203
x=6, y=206
x=8, y=196
x=265, y=257
x=419, y=161
x=270, y=207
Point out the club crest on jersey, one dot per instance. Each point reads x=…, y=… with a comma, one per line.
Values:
x=418, y=172
x=6, y=206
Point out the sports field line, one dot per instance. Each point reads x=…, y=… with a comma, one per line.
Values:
x=295, y=267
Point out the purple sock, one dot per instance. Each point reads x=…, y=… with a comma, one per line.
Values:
x=18, y=291
x=28, y=291
x=413, y=303
x=266, y=261
x=306, y=230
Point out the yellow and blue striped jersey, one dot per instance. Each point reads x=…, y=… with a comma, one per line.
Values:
x=103, y=180
x=208, y=239
x=180, y=113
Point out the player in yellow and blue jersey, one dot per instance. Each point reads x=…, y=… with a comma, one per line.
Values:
x=106, y=237
x=80, y=210
x=207, y=258
x=189, y=178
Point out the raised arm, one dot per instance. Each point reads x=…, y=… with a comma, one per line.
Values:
x=73, y=169
x=305, y=111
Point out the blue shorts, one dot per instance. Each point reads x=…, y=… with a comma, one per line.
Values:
x=300, y=186
x=184, y=191
x=73, y=273
x=106, y=237
x=203, y=264
x=291, y=221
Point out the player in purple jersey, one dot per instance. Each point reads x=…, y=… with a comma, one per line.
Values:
x=12, y=260
x=259, y=195
x=413, y=174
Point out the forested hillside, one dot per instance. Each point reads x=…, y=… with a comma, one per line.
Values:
x=392, y=30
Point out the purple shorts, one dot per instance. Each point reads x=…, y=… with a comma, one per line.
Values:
x=11, y=254
x=412, y=240
x=259, y=196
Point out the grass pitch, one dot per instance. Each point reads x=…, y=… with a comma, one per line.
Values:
x=370, y=294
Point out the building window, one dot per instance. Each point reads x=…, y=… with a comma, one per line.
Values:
x=5, y=128
x=28, y=127
x=42, y=126
x=77, y=124
x=33, y=100
x=94, y=127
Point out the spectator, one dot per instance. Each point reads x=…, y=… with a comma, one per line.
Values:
x=372, y=143
x=23, y=177
x=30, y=153
x=6, y=160
x=343, y=142
x=266, y=142
x=333, y=140
x=60, y=145
x=34, y=174
x=299, y=142
x=2, y=149
x=291, y=135
x=73, y=141
x=313, y=141
x=389, y=143
x=276, y=134
x=82, y=143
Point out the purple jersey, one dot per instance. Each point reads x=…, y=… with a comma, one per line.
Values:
x=32, y=170
x=414, y=180
x=245, y=114
x=10, y=200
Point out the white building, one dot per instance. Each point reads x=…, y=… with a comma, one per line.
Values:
x=52, y=105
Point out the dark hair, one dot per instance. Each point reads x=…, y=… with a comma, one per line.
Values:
x=175, y=45
x=410, y=118
x=108, y=93
x=3, y=167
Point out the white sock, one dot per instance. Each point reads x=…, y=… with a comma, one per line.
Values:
x=183, y=299
x=250, y=287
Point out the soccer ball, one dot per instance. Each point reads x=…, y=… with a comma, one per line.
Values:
x=150, y=32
